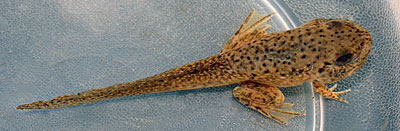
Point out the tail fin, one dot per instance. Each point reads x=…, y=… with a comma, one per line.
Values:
x=209, y=72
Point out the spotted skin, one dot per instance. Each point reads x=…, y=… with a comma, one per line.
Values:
x=320, y=51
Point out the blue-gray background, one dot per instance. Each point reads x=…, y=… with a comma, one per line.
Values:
x=51, y=48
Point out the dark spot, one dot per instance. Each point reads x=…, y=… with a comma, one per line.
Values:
x=279, y=51
x=342, y=31
x=287, y=57
x=266, y=71
x=265, y=56
x=332, y=40
x=293, y=69
x=248, y=43
x=305, y=43
x=284, y=62
x=241, y=57
x=252, y=46
x=292, y=46
x=248, y=58
x=336, y=32
x=252, y=74
x=283, y=74
x=195, y=71
x=279, y=61
x=271, y=49
x=276, y=70
x=257, y=58
x=291, y=37
x=300, y=35
x=252, y=68
x=314, y=49
x=301, y=71
x=308, y=65
x=321, y=30
x=327, y=63
x=254, y=41
x=321, y=35
x=240, y=50
x=283, y=42
x=274, y=44
x=320, y=70
x=274, y=64
x=265, y=65
x=288, y=63
x=278, y=38
x=317, y=56
x=270, y=59
x=329, y=28
x=319, y=42
x=312, y=39
x=236, y=61
x=266, y=49
x=302, y=49
x=308, y=33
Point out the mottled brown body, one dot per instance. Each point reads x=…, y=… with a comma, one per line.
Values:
x=307, y=53
x=320, y=51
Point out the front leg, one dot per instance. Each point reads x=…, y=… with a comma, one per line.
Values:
x=323, y=90
x=267, y=100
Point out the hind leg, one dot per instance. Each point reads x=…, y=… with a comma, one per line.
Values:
x=267, y=100
x=250, y=24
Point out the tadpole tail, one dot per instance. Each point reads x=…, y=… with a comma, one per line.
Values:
x=209, y=72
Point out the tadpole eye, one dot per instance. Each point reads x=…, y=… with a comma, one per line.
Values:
x=344, y=59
